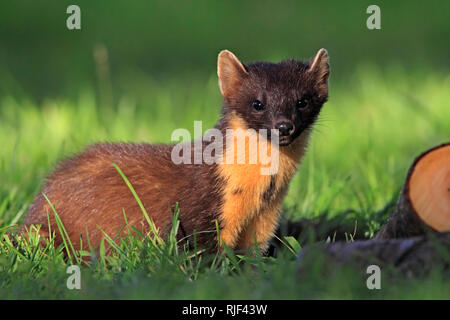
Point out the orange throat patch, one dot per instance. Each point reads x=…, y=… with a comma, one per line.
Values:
x=252, y=198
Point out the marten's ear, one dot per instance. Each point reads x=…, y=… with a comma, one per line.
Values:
x=231, y=73
x=319, y=69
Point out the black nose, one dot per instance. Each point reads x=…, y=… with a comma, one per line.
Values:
x=285, y=128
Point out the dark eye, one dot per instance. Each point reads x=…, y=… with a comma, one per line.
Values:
x=302, y=103
x=257, y=105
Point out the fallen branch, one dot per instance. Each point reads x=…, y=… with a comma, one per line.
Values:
x=412, y=256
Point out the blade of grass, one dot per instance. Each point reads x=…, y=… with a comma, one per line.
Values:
x=63, y=232
x=138, y=200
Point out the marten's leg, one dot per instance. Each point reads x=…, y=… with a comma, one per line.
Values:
x=260, y=229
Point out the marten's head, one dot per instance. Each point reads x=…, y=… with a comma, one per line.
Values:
x=286, y=96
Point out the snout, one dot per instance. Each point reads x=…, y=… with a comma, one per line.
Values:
x=286, y=128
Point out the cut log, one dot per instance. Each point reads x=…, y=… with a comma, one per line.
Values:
x=404, y=241
x=424, y=203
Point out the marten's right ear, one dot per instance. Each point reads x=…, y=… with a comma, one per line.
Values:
x=231, y=73
x=319, y=70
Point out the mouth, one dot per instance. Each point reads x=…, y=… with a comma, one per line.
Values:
x=285, y=141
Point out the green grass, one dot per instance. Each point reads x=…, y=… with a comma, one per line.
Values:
x=374, y=124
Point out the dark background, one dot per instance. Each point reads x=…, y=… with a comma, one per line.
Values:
x=41, y=58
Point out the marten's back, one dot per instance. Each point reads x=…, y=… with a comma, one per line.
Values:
x=88, y=192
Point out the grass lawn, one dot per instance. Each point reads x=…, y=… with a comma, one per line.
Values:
x=375, y=123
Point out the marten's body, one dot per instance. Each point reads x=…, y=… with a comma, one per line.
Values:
x=88, y=193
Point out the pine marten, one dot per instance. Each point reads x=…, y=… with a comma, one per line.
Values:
x=88, y=193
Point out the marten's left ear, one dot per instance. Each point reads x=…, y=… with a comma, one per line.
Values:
x=231, y=73
x=319, y=69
